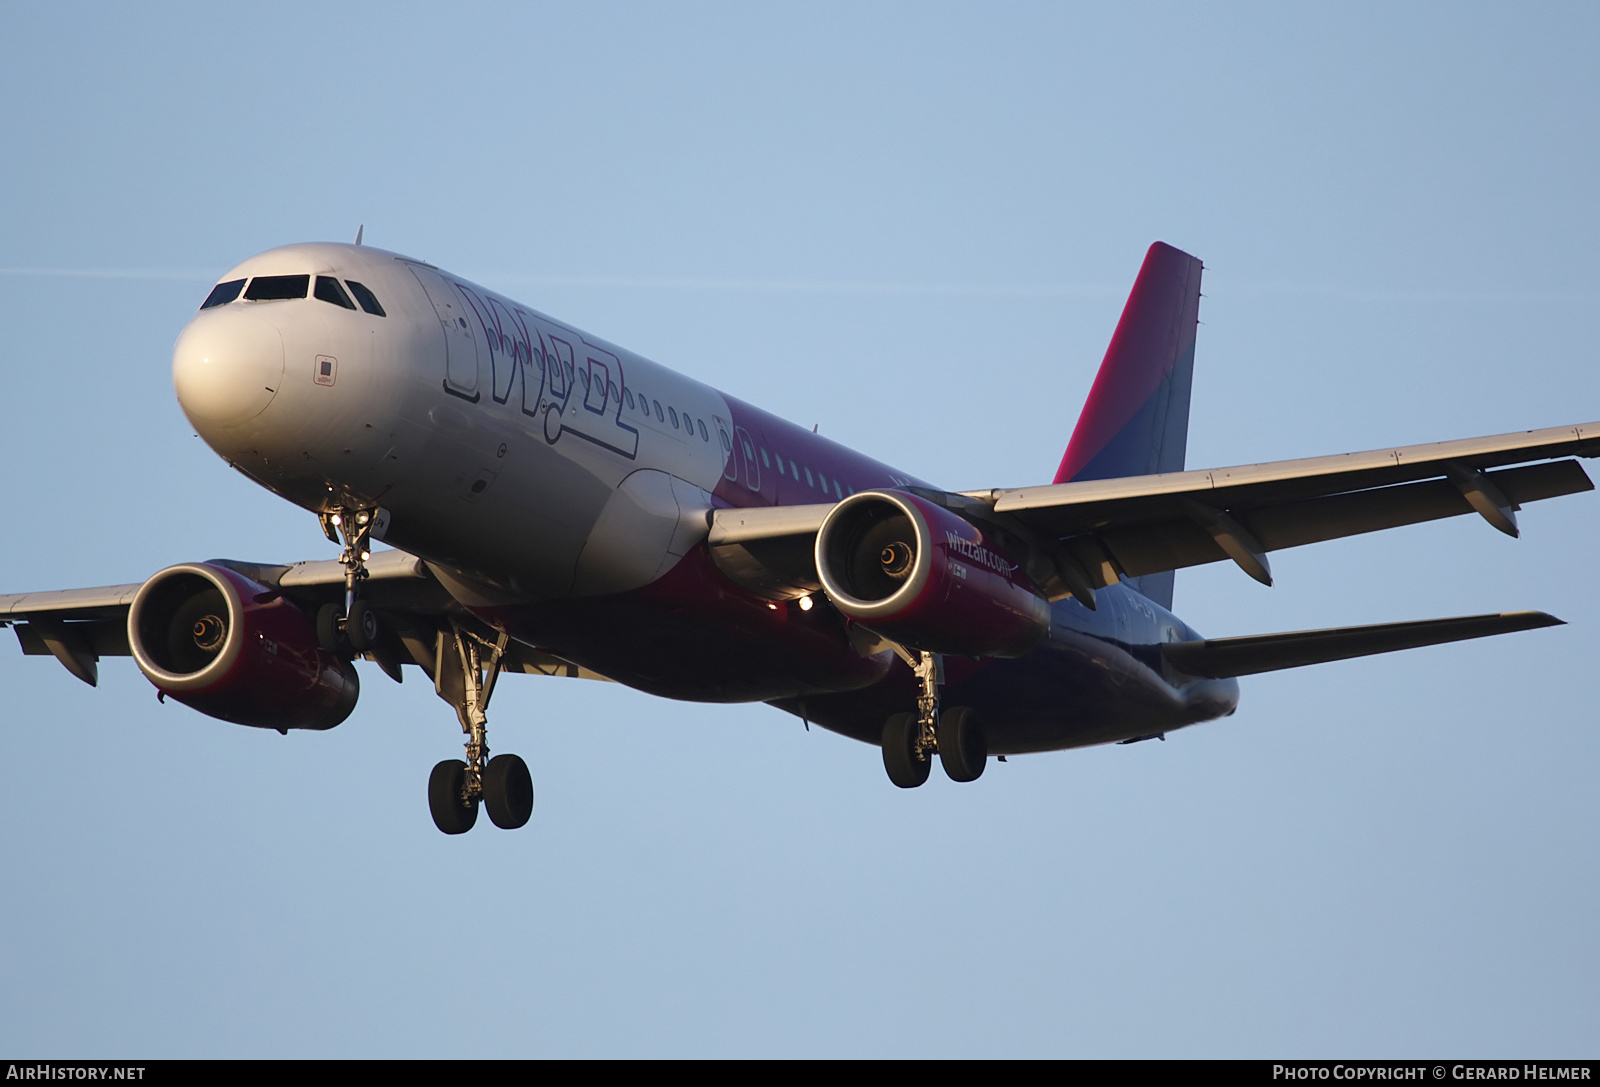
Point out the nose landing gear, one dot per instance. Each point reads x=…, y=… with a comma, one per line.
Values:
x=357, y=625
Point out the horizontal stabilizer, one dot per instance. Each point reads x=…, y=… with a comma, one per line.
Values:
x=1221, y=658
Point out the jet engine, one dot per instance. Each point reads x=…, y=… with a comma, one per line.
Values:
x=236, y=650
x=927, y=578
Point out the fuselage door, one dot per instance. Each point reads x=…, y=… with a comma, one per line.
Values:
x=730, y=461
x=752, y=470
x=456, y=320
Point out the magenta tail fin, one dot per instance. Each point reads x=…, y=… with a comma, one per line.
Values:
x=1136, y=420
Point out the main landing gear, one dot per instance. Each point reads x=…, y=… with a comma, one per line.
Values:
x=466, y=669
x=910, y=739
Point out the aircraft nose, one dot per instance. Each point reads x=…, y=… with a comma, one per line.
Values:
x=227, y=366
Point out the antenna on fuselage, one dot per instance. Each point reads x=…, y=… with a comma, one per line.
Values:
x=359, y=229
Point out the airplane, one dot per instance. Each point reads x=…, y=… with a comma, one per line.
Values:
x=554, y=504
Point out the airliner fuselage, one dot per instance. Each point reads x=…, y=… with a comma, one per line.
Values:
x=561, y=487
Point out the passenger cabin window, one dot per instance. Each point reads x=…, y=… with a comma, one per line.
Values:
x=368, y=300
x=674, y=413
x=328, y=290
x=629, y=394
x=703, y=435
x=275, y=288
x=223, y=293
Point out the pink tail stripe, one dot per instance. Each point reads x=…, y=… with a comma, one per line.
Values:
x=1156, y=332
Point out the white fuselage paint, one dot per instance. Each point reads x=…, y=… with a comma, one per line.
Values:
x=533, y=474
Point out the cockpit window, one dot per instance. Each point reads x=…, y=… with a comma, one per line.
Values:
x=328, y=290
x=368, y=300
x=272, y=288
x=223, y=293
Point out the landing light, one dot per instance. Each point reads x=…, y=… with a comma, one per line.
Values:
x=805, y=603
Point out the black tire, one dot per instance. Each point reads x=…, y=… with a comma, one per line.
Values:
x=450, y=814
x=899, y=752
x=508, y=791
x=328, y=628
x=363, y=628
x=963, y=744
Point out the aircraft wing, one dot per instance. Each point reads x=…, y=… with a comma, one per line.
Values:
x=1086, y=535
x=78, y=626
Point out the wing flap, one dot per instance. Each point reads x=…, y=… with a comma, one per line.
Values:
x=1182, y=541
x=1224, y=658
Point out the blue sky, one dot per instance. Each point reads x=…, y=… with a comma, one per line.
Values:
x=914, y=226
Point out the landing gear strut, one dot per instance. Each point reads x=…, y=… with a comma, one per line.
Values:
x=466, y=668
x=910, y=739
x=357, y=622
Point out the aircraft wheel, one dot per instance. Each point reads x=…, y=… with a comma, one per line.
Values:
x=900, y=757
x=963, y=746
x=328, y=627
x=450, y=814
x=508, y=791
x=362, y=628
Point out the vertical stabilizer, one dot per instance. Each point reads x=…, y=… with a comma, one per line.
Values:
x=1136, y=420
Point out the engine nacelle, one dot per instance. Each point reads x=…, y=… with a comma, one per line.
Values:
x=927, y=578
x=233, y=649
